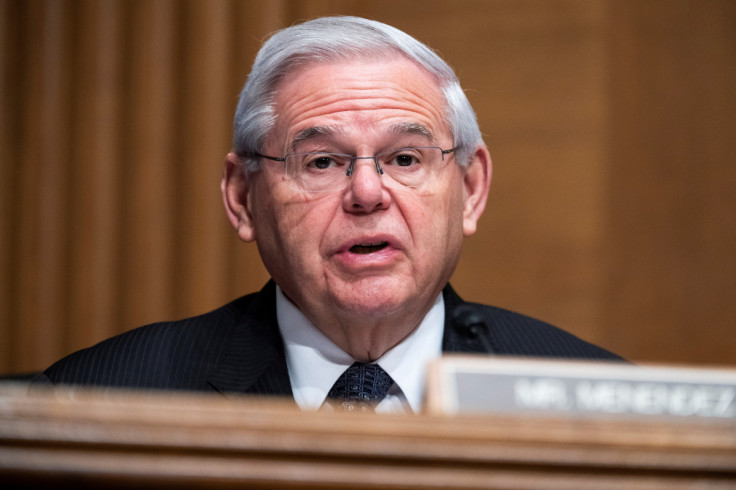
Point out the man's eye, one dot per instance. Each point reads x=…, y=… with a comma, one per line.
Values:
x=321, y=162
x=404, y=160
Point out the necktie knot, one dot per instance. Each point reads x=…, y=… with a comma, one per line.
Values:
x=360, y=387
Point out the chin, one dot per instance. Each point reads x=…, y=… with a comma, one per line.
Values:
x=374, y=299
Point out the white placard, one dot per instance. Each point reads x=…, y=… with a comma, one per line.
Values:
x=496, y=385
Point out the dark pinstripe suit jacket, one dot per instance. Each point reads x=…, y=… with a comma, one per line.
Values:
x=238, y=349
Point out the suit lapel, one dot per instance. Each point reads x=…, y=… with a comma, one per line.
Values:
x=254, y=360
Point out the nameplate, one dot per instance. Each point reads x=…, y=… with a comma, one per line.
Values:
x=494, y=385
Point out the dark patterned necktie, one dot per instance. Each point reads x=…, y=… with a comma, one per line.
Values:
x=360, y=388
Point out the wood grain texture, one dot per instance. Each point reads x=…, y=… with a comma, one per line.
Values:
x=81, y=439
x=671, y=220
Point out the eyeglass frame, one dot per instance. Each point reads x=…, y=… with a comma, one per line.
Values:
x=350, y=169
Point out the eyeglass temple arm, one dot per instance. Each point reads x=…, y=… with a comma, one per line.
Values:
x=275, y=159
x=445, y=152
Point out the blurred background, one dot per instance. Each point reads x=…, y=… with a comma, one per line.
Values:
x=611, y=124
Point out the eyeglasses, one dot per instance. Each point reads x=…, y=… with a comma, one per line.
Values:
x=324, y=172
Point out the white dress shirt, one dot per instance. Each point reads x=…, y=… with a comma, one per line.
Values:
x=315, y=362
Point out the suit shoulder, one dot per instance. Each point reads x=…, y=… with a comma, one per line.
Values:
x=173, y=354
x=516, y=334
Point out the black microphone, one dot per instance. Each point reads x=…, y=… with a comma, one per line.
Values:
x=471, y=323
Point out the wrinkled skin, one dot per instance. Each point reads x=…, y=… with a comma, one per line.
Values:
x=365, y=262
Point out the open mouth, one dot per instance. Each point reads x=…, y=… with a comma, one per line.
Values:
x=368, y=248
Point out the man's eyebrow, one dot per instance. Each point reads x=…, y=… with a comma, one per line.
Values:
x=310, y=133
x=398, y=130
x=404, y=128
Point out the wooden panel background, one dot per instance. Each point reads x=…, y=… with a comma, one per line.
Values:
x=611, y=125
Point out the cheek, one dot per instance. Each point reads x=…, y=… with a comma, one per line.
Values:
x=290, y=228
x=442, y=233
x=438, y=213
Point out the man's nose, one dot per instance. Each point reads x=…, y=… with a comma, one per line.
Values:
x=366, y=192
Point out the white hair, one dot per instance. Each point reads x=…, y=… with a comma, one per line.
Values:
x=331, y=39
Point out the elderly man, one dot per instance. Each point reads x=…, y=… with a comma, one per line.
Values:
x=358, y=167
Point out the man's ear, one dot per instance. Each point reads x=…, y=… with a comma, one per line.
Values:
x=235, y=188
x=477, y=181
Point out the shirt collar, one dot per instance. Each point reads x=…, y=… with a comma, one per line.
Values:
x=315, y=362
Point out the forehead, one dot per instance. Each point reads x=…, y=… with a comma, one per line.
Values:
x=360, y=99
